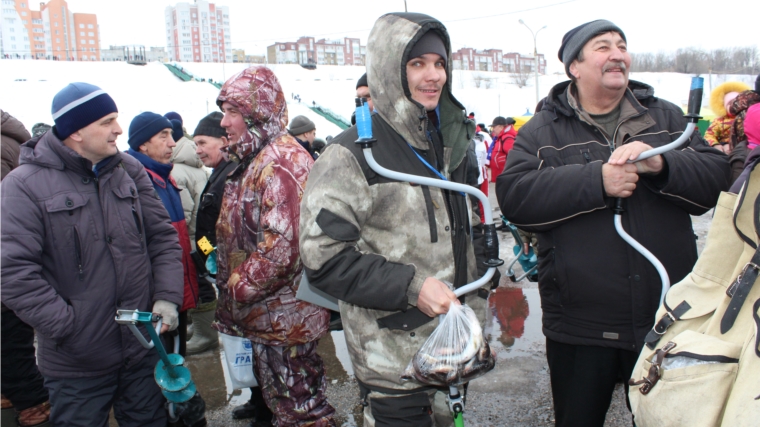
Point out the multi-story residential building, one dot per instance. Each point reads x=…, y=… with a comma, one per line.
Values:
x=493, y=60
x=514, y=62
x=133, y=52
x=53, y=32
x=198, y=32
x=346, y=51
x=238, y=55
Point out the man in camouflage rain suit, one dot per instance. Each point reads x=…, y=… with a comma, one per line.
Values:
x=384, y=248
x=258, y=261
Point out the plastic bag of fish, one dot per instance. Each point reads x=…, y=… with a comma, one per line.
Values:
x=455, y=352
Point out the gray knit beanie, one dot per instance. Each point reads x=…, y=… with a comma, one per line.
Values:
x=301, y=124
x=574, y=40
x=431, y=42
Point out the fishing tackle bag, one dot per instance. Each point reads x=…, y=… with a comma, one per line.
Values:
x=700, y=365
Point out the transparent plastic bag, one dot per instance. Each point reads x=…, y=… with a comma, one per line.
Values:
x=455, y=353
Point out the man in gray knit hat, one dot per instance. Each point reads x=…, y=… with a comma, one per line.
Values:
x=304, y=131
x=564, y=174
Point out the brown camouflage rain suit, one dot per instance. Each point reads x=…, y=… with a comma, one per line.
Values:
x=371, y=241
x=258, y=259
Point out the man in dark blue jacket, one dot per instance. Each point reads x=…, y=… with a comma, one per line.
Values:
x=151, y=142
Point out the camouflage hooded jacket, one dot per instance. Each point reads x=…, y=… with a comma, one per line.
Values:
x=257, y=232
x=371, y=241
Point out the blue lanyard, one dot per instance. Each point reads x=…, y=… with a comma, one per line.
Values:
x=424, y=162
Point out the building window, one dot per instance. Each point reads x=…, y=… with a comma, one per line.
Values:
x=14, y=38
x=92, y=41
x=81, y=33
x=81, y=25
x=90, y=26
x=91, y=34
x=55, y=24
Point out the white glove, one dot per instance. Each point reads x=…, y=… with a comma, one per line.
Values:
x=168, y=311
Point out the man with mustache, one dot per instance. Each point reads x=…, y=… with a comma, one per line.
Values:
x=563, y=176
x=392, y=252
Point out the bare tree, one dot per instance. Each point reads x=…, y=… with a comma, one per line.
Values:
x=690, y=60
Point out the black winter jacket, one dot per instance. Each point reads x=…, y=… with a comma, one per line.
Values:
x=211, y=203
x=596, y=289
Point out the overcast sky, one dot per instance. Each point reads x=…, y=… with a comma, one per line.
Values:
x=649, y=25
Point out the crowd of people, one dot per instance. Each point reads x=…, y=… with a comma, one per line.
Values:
x=88, y=230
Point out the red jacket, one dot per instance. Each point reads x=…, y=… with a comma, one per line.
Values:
x=501, y=145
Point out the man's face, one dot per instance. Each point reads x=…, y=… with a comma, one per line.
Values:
x=159, y=148
x=97, y=140
x=496, y=130
x=363, y=92
x=209, y=149
x=606, y=63
x=308, y=136
x=426, y=76
x=233, y=122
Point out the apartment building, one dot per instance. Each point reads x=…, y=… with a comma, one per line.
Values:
x=53, y=32
x=134, y=53
x=307, y=50
x=494, y=60
x=198, y=32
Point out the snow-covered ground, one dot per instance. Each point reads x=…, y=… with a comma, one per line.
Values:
x=28, y=88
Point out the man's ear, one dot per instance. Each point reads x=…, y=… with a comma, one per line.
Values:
x=225, y=141
x=574, y=69
x=77, y=136
x=142, y=149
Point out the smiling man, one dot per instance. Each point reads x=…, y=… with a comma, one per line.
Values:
x=84, y=236
x=389, y=251
x=567, y=168
x=151, y=143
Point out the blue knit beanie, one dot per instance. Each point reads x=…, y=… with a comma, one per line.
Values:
x=144, y=126
x=177, y=132
x=78, y=105
x=171, y=115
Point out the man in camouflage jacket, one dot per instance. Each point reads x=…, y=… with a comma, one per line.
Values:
x=385, y=248
x=259, y=267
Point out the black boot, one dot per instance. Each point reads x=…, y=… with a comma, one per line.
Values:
x=255, y=408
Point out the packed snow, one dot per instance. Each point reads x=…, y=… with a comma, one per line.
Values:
x=28, y=88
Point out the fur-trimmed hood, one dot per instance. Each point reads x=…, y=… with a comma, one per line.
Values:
x=717, y=95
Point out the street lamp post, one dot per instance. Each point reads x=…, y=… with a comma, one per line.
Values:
x=535, y=53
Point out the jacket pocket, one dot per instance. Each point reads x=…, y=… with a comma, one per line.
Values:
x=129, y=209
x=687, y=381
x=78, y=253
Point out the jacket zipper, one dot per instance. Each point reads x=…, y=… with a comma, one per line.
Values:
x=452, y=219
x=78, y=251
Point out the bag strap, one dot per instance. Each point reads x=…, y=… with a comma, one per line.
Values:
x=655, y=372
x=739, y=290
x=670, y=317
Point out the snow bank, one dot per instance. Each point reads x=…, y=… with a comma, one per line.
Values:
x=28, y=88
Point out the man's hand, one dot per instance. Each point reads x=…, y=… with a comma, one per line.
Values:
x=168, y=311
x=435, y=297
x=631, y=151
x=619, y=181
